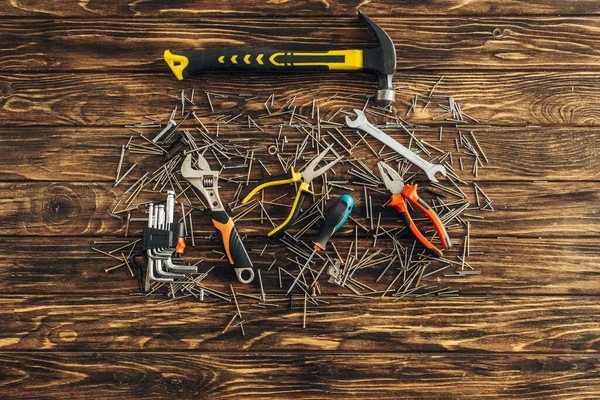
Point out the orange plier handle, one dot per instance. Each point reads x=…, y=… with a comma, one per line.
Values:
x=410, y=193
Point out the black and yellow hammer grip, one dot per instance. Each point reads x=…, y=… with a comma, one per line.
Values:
x=234, y=247
x=187, y=63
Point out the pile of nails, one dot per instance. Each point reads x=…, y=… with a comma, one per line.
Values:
x=373, y=256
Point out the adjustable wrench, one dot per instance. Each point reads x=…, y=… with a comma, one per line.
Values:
x=207, y=182
x=361, y=123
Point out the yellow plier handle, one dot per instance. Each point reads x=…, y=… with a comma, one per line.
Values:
x=303, y=192
x=290, y=177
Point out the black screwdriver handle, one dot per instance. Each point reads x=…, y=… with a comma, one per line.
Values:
x=336, y=216
x=185, y=63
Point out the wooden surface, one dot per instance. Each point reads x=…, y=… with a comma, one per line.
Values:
x=72, y=74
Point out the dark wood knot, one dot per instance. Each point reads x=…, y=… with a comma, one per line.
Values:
x=60, y=206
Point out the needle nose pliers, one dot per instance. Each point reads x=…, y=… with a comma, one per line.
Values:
x=401, y=191
x=304, y=177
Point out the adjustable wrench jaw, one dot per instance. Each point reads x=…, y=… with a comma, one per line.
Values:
x=205, y=180
x=208, y=185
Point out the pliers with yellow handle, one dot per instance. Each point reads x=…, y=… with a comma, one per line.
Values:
x=304, y=177
x=401, y=191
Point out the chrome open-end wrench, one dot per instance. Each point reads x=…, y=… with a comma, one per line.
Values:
x=363, y=124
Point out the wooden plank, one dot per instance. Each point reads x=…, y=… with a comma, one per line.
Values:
x=61, y=265
x=540, y=98
x=191, y=9
x=92, y=154
x=308, y=376
x=80, y=209
x=433, y=43
x=534, y=324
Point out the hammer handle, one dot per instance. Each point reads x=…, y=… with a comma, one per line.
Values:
x=187, y=63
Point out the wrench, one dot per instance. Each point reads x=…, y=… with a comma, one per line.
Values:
x=361, y=123
x=207, y=182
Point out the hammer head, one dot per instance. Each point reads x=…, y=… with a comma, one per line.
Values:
x=381, y=60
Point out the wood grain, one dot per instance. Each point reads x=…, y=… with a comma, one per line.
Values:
x=191, y=9
x=63, y=266
x=92, y=153
x=81, y=209
x=534, y=324
x=308, y=376
x=513, y=99
x=75, y=73
x=433, y=43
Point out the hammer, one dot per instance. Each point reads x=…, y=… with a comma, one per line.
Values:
x=380, y=59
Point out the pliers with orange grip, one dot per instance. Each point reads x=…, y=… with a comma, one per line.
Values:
x=402, y=192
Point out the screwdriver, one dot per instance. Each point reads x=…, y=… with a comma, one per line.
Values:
x=336, y=216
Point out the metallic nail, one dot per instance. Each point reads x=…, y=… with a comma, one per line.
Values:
x=125, y=174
